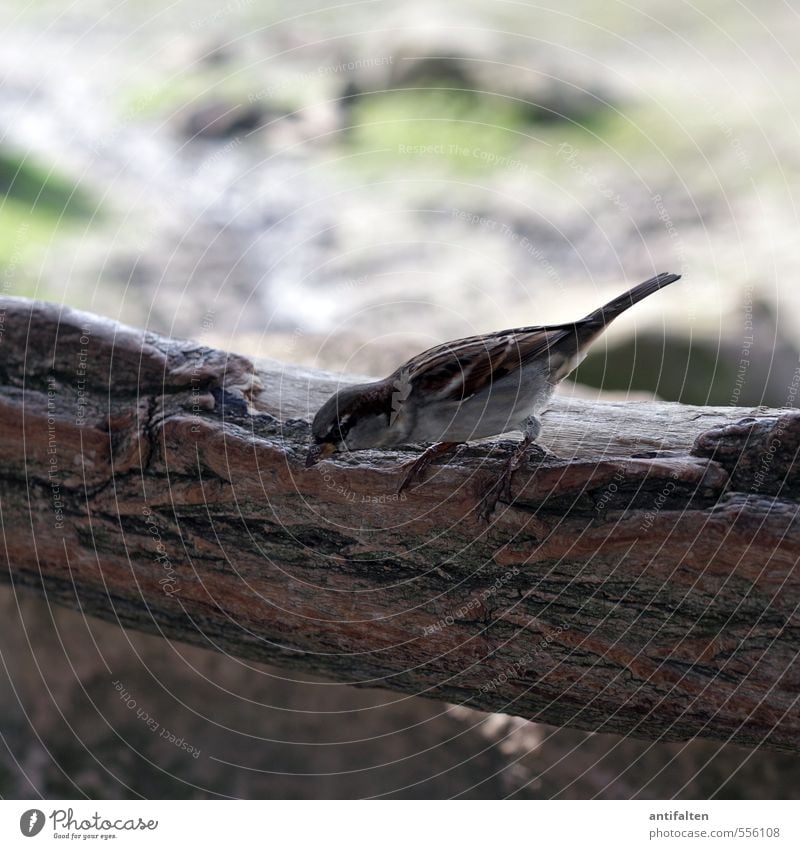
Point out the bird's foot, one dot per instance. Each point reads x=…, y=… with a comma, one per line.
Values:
x=415, y=468
x=501, y=488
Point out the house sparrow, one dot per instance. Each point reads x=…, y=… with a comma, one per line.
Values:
x=467, y=389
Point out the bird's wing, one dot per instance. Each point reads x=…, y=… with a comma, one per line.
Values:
x=457, y=370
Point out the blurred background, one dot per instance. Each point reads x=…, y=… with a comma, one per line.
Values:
x=341, y=187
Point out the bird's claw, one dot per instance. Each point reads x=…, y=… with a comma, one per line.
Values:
x=418, y=466
x=414, y=470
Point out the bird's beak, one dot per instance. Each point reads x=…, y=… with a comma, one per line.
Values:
x=319, y=451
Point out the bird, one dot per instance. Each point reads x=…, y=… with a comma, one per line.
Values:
x=464, y=390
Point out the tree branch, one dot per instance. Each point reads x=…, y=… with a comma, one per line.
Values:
x=646, y=585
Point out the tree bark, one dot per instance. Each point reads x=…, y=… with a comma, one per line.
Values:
x=643, y=580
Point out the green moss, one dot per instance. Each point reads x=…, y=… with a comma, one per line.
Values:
x=458, y=130
x=474, y=132
x=20, y=229
x=193, y=88
x=144, y=101
x=35, y=205
x=40, y=191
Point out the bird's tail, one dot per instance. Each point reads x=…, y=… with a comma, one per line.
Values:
x=606, y=314
x=575, y=339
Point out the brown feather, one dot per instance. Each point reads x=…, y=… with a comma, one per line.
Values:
x=478, y=361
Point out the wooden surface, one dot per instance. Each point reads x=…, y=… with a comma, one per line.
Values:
x=643, y=583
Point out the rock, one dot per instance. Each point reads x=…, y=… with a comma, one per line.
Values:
x=542, y=92
x=437, y=71
x=552, y=100
x=220, y=119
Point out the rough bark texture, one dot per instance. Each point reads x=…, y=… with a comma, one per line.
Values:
x=646, y=585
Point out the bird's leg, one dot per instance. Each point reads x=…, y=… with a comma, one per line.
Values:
x=418, y=466
x=532, y=430
x=503, y=484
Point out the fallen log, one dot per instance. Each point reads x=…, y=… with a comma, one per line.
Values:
x=642, y=580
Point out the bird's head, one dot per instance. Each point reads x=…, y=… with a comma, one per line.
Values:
x=351, y=419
